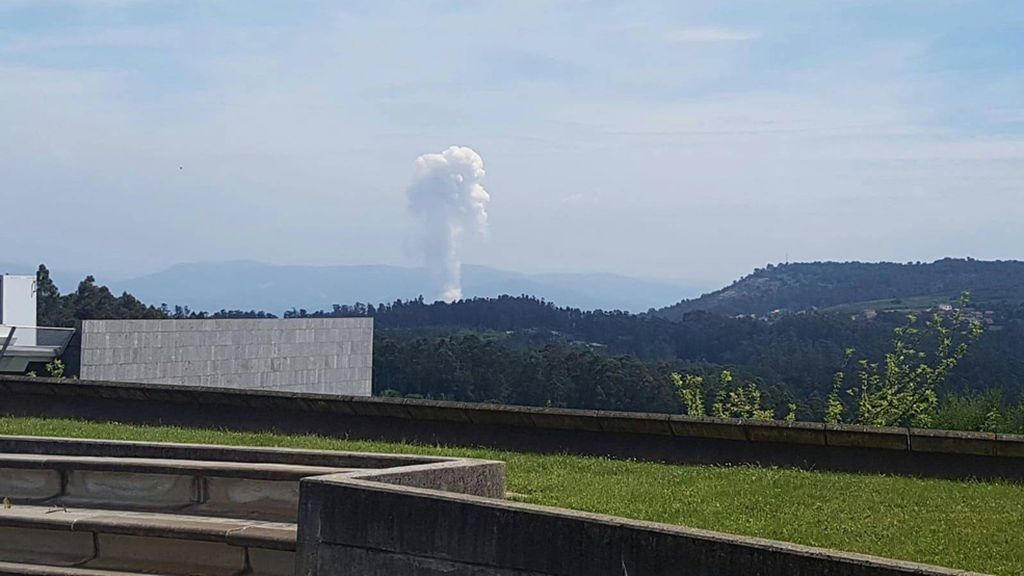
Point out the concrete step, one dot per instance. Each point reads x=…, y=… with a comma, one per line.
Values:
x=265, y=491
x=206, y=452
x=250, y=470
x=120, y=541
x=22, y=569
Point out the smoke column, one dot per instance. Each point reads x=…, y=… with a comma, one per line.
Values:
x=448, y=196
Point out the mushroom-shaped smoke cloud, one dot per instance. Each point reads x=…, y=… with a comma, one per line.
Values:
x=448, y=196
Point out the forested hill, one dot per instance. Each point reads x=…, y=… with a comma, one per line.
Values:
x=528, y=351
x=821, y=285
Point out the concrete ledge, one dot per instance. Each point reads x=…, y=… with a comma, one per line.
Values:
x=671, y=438
x=504, y=416
x=953, y=442
x=851, y=436
x=434, y=410
x=715, y=428
x=786, y=432
x=387, y=407
x=1010, y=446
x=255, y=471
x=484, y=478
x=212, y=456
x=634, y=423
x=562, y=419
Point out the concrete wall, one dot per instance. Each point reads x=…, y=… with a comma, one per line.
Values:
x=663, y=437
x=356, y=526
x=322, y=355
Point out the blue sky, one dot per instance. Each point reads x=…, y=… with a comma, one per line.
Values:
x=658, y=139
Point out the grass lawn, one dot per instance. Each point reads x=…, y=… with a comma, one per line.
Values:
x=968, y=525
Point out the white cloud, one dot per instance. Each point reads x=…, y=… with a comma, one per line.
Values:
x=290, y=132
x=577, y=200
x=707, y=34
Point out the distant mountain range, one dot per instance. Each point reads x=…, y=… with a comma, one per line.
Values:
x=836, y=285
x=274, y=288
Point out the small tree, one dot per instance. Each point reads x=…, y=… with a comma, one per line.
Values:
x=55, y=369
x=834, y=407
x=740, y=402
x=688, y=387
x=904, y=390
x=791, y=415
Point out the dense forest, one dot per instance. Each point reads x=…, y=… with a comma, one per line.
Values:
x=523, y=350
x=797, y=353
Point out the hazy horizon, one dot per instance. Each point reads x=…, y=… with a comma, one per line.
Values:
x=651, y=140
x=17, y=266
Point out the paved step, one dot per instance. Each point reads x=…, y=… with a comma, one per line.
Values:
x=206, y=452
x=122, y=541
x=22, y=569
x=266, y=491
x=252, y=470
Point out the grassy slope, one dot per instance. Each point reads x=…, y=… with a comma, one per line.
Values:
x=968, y=525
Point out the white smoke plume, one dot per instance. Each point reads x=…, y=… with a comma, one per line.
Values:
x=447, y=194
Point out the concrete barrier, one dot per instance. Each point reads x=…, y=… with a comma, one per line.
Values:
x=355, y=525
x=883, y=438
x=953, y=442
x=663, y=437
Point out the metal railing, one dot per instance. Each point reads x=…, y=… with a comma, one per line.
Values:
x=45, y=339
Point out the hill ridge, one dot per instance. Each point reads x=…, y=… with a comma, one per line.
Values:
x=801, y=286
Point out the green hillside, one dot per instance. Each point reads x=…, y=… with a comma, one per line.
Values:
x=841, y=285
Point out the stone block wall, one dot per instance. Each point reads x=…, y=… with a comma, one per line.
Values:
x=321, y=355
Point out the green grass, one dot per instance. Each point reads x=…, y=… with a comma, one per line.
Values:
x=909, y=303
x=968, y=525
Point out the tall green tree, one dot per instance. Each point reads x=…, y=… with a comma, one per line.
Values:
x=51, y=309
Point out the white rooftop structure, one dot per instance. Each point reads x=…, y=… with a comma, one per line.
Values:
x=21, y=340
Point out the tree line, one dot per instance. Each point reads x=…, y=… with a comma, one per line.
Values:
x=91, y=301
x=797, y=352
x=524, y=350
